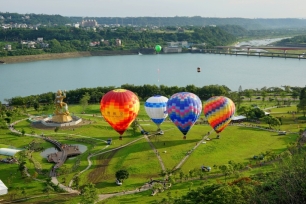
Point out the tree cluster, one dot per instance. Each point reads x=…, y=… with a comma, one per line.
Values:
x=285, y=185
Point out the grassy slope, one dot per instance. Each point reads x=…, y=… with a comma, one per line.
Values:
x=236, y=143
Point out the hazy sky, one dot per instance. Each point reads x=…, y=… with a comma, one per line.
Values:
x=163, y=8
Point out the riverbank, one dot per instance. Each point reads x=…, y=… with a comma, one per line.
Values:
x=31, y=58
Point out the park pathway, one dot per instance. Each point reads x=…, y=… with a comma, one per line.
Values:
x=157, y=153
x=189, y=153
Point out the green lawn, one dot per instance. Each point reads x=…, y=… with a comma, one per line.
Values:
x=237, y=143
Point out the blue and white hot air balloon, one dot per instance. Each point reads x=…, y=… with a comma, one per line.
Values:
x=155, y=107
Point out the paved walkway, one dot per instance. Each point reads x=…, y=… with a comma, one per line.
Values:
x=189, y=153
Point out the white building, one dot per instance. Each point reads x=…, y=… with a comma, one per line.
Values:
x=178, y=44
x=8, y=47
x=172, y=49
x=76, y=25
x=3, y=188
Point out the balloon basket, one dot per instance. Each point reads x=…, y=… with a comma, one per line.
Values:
x=120, y=138
x=184, y=137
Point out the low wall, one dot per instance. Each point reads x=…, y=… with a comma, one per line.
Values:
x=76, y=120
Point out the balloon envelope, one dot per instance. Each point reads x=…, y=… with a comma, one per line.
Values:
x=183, y=109
x=158, y=48
x=155, y=107
x=219, y=111
x=119, y=107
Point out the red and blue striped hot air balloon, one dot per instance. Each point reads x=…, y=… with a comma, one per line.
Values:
x=183, y=109
x=219, y=111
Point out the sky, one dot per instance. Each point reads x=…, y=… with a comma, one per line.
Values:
x=160, y=8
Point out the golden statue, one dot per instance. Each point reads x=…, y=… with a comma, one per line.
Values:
x=61, y=113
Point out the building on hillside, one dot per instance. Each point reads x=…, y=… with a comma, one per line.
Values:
x=44, y=45
x=184, y=44
x=92, y=44
x=172, y=49
x=181, y=30
x=40, y=39
x=89, y=23
x=76, y=25
x=106, y=42
x=118, y=42
x=8, y=47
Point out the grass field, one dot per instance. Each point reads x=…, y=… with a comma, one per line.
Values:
x=237, y=143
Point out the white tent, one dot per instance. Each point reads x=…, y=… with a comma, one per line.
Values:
x=8, y=151
x=3, y=188
x=239, y=117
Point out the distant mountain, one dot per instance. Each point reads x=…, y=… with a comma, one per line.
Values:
x=250, y=24
x=33, y=19
x=245, y=23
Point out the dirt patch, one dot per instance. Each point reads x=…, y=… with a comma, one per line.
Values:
x=98, y=174
x=30, y=58
x=49, y=56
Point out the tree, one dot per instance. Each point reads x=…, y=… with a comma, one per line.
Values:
x=36, y=106
x=22, y=132
x=89, y=194
x=239, y=100
x=227, y=169
x=283, y=96
x=122, y=174
x=302, y=106
x=22, y=168
x=243, y=110
x=271, y=121
x=76, y=181
x=84, y=100
x=264, y=95
x=248, y=93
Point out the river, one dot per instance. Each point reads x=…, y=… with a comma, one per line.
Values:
x=23, y=79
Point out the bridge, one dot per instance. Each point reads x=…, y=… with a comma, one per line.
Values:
x=261, y=51
x=261, y=47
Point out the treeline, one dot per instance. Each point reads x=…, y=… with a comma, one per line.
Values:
x=301, y=39
x=34, y=19
x=70, y=39
x=250, y=24
x=241, y=32
x=146, y=91
x=286, y=184
x=143, y=92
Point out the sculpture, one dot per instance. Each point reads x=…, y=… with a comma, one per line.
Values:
x=59, y=103
x=61, y=113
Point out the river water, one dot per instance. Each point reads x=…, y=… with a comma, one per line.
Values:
x=23, y=79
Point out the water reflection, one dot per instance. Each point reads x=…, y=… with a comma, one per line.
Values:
x=51, y=150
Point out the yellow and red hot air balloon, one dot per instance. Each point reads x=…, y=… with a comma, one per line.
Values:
x=119, y=107
x=219, y=111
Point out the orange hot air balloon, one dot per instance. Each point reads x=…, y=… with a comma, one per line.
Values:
x=219, y=111
x=119, y=107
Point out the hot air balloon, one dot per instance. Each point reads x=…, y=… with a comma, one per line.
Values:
x=158, y=48
x=183, y=109
x=219, y=111
x=155, y=107
x=119, y=107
